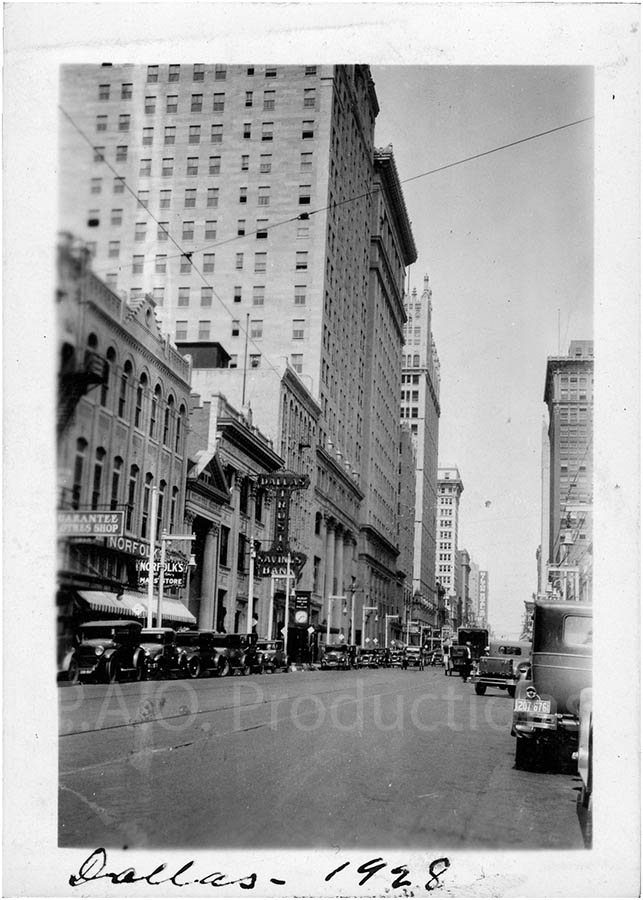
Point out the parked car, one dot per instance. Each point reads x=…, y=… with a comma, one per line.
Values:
x=457, y=659
x=546, y=715
x=204, y=653
x=383, y=657
x=162, y=655
x=271, y=656
x=242, y=651
x=109, y=650
x=502, y=666
x=435, y=658
x=368, y=659
x=354, y=653
x=68, y=668
x=334, y=656
x=396, y=658
x=413, y=656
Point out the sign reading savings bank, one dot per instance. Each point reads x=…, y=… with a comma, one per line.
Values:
x=90, y=524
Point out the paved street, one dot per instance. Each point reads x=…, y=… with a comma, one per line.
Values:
x=360, y=758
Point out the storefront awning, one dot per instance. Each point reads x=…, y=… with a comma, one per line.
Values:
x=173, y=610
x=102, y=601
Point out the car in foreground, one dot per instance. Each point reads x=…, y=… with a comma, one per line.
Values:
x=413, y=656
x=271, y=656
x=162, y=656
x=501, y=667
x=109, y=650
x=334, y=656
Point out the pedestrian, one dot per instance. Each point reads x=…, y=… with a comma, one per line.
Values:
x=405, y=661
x=467, y=662
x=421, y=660
x=446, y=658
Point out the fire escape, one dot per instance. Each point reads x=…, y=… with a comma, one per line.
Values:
x=75, y=380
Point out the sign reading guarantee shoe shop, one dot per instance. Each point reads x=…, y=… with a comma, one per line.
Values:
x=90, y=524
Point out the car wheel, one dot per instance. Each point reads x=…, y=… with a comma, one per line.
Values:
x=194, y=668
x=481, y=689
x=73, y=672
x=511, y=690
x=524, y=754
x=246, y=669
x=224, y=669
x=113, y=671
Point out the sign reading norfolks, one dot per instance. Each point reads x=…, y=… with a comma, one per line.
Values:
x=174, y=572
x=90, y=524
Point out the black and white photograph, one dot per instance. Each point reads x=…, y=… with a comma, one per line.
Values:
x=328, y=387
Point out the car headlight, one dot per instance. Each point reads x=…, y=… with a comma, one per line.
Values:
x=99, y=651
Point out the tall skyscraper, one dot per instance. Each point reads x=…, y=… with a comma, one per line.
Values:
x=569, y=395
x=420, y=409
x=450, y=488
x=251, y=203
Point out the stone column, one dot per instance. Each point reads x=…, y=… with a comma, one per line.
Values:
x=339, y=560
x=234, y=549
x=206, y=617
x=329, y=562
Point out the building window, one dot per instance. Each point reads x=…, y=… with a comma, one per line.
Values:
x=184, y=296
x=186, y=264
x=187, y=233
x=158, y=293
x=298, y=329
x=215, y=165
x=152, y=74
x=308, y=130
x=172, y=104
x=126, y=91
x=145, y=168
x=173, y=503
x=247, y=130
x=154, y=411
x=213, y=197
x=297, y=362
x=190, y=198
x=181, y=331
x=236, y=294
x=216, y=134
x=300, y=295
x=211, y=229
x=261, y=262
x=198, y=72
x=170, y=134
x=262, y=229
x=138, y=403
x=162, y=232
x=248, y=98
x=301, y=260
x=266, y=131
x=238, y=261
x=174, y=72
x=103, y=92
x=111, y=279
x=218, y=103
x=137, y=265
x=263, y=198
x=303, y=231
x=305, y=162
x=179, y=429
x=304, y=194
x=258, y=294
x=208, y=262
x=123, y=389
x=235, y=328
x=150, y=104
x=234, y=361
x=243, y=195
x=224, y=542
x=256, y=329
x=269, y=99
x=79, y=464
x=114, y=249
x=196, y=104
x=241, y=227
x=96, y=186
x=118, y=185
x=101, y=123
x=116, y=482
x=121, y=153
x=148, y=137
x=265, y=163
x=131, y=497
x=310, y=70
x=147, y=491
x=168, y=166
x=140, y=230
x=193, y=165
x=219, y=72
x=255, y=360
x=271, y=71
x=309, y=98
x=204, y=330
x=123, y=122
x=245, y=162
x=194, y=134
x=161, y=497
x=206, y=296
x=165, y=199
x=99, y=154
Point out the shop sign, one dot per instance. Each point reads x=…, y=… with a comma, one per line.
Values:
x=90, y=524
x=290, y=480
x=275, y=561
x=127, y=545
x=302, y=607
x=174, y=572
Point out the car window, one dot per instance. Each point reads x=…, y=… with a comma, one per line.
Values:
x=577, y=631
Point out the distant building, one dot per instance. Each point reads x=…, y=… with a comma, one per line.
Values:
x=450, y=488
x=420, y=410
x=406, y=516
x=463, y=588
x=483, y=598
x=569, y=395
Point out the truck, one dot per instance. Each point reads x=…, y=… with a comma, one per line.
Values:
x=477, y=637
x=547, y=704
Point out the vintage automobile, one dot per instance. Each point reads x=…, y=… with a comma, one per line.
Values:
x=584, y=760
x=271, y=656
x=383, y=658
x=68, y=668
x=162, y=655
x=396, y=658
x=368, y=659
x=502, y=666
x=435, y=658
x=109, y=650
x=413, y=656
x=457, y=659
x=546, y=714
x=242, y=651
x=201, y=654
x=334, y=656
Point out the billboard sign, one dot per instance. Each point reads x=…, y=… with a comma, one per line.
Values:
x=72, y=523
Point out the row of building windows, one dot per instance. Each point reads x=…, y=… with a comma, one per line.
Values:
x=260, y=258
x=190, y=201
x=298, y=330
x=309, y=101
x=193, y=164
x=410, y=379
x=411, y=361
x=409, y=412
x=411, y=396
x=195, y=134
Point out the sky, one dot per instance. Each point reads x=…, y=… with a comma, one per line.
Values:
x=507, y=243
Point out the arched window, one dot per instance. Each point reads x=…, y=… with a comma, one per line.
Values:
x=131, y=497
x=167, y=420
x=174, y=501
x=147, y=493
x=156, y=400
x=116, y=482
x=98, y=477
x=159, y=511
x=140, y=396
x=79, y=465
x=104, y=388
x=179, y=430
x=123, y=388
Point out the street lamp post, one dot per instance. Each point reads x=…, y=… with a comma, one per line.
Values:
x=386, y=618
x=364, y=609
x=331, y=597
x=165, y=537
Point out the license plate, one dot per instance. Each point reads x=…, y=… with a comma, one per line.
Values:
x=533, y=706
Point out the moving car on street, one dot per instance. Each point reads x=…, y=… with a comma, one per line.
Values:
x=162, y=656
x=413, y=656
x=546, y=715
x=334, y=656
x=109, y=650
x=502, y=667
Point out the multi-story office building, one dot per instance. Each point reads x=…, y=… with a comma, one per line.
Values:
x=474, y=591
x=483, y=598
x=569, y=395
x=420, y=408
x=250, y=202
x=450, y=488
x=406, y=516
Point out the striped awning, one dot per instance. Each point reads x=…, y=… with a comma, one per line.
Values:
x=173, y=610
x=102, y=601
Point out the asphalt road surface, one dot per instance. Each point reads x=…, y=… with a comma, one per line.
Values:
x=378, y=757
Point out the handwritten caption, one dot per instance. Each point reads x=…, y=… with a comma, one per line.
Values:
x=95, y=867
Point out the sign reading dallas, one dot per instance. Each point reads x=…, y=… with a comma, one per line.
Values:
x=90, y=524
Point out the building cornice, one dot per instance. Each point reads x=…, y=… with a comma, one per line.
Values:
x=384, y=163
